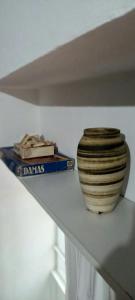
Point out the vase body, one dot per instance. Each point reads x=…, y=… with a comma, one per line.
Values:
x=101, y=159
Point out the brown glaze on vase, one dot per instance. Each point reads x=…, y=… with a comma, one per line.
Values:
x=101, y=158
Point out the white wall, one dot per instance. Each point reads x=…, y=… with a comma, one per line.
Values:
x=16, y=118
x=108, y=102
x=68, y=124
x=26, y=255
x=26, y=231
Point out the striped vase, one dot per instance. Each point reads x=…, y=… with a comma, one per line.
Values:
x=101, y=158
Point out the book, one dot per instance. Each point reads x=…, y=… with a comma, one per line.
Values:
x=35, y=166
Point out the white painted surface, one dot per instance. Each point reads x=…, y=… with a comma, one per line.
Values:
x=106, y=240
x=29, y=29
x=16, y=118
x=26, y=240
x=26, y=257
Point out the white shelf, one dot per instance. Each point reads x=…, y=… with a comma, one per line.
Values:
x=107, y=49
x=107, y=240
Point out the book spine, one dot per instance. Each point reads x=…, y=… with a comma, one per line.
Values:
x=39, y=169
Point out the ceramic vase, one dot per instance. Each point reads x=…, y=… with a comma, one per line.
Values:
x=101, y=159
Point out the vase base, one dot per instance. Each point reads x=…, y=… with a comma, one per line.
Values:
x=101, y=209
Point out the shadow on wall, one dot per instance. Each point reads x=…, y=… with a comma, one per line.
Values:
x=120, y=263
x=30, y=96
x=110, y=90
x=126, y=178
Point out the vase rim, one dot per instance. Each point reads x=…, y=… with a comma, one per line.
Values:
x=101, y=131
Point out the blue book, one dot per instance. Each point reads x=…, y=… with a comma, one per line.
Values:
x=35, y=166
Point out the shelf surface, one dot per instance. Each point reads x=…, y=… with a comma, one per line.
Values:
x=107, y=49
x=107, y=240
